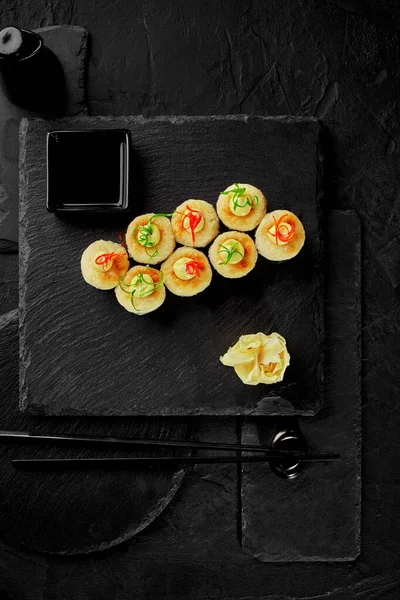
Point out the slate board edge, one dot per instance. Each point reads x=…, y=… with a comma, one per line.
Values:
x=32, y=409
x=320, y=215
x=23, y=264
x=358, y=424
x=176, y=119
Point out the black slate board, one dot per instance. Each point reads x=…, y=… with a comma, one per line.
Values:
x=82, y=353
x=317, y=516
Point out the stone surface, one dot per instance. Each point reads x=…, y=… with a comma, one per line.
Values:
x=337, y=59
x=68, y=44
x=316, y=517
x=69, y=330
x=74, y=512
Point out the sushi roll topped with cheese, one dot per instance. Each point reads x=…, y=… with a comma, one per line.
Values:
x=195, y=223
x=141, y=290
x=241, y=206
x=103, y=263
x=150, y=239
x=233, y=254
x=280, y=235
x=187, y=272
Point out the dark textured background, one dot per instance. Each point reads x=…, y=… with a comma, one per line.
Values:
x=337, y=60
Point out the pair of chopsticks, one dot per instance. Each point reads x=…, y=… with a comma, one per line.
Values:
x=269, y=454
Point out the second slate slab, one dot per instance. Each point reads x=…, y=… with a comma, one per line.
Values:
x=317, y=516
x=69, y=44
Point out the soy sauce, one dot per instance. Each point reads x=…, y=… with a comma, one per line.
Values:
x=88, y=170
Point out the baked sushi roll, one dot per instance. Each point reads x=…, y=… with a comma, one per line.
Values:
x=233, y=254
x=103, y=263
x=195, y=223
x=141, y=290
x=149, y=238
x=186, y=272
x=280, y=235
x=241, y=206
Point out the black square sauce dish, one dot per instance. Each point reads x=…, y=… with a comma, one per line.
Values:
x=88, y=171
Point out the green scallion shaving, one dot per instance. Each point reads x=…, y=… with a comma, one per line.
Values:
x=140, y=281
x=230, y=252
x=141, y=234
x=237, y=194
x=132, y=302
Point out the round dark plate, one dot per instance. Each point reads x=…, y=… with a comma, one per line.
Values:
x=74, y=512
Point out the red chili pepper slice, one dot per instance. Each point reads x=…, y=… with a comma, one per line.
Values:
x=193, y=267
x=106, y=258
x=284, y=237
x=121, y=237
x=194, y=218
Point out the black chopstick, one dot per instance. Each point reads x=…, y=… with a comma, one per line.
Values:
x=79, y=463
x=79, y=440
